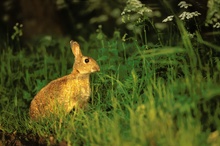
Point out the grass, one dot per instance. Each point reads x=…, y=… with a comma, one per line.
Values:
x=157, y=96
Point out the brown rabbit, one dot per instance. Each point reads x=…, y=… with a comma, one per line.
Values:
x=65, y=93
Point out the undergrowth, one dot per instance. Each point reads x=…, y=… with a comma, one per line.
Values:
x=144, y=95
x=157, y=96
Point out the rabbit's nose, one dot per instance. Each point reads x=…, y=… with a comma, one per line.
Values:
x=95, y=69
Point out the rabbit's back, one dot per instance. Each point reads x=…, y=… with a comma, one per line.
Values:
x=60, y=95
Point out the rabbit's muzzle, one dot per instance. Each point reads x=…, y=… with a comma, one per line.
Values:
x=95, y=69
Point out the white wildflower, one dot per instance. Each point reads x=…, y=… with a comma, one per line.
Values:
x=191, y=35
x=183, y=15
x=143, y=10
x=135, y=6
x=169, y=18
x=123, y=13
x=183, y=4
x=196, y=13
x=188, y=15
x=216, y=25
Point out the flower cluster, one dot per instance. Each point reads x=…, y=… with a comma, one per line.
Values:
x=183, y=4
x=184, y=15
x=216, y=25
x=134, y=14
x=135, y=6
x=169, y=18
x=188, y=15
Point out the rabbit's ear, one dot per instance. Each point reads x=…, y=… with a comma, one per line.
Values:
x=75, y=49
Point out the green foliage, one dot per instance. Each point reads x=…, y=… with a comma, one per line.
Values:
x=144, y=94
x=213, y=14
x=135, y=100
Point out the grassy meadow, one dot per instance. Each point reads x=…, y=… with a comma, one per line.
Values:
x=144, y=95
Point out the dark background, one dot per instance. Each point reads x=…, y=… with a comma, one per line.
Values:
x=74, y=18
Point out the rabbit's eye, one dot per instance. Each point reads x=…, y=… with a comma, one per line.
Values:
x=86, y=60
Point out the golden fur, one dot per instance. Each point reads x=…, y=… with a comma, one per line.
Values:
x=65, y=93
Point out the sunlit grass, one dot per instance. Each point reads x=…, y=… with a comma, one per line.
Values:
x=157, y=96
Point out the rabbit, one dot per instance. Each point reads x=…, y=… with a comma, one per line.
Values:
x=68, y=92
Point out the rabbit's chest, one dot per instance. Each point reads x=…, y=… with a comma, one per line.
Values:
x=81, y=89
x=85, y=91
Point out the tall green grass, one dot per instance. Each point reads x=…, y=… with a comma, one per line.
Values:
x=157, y=96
